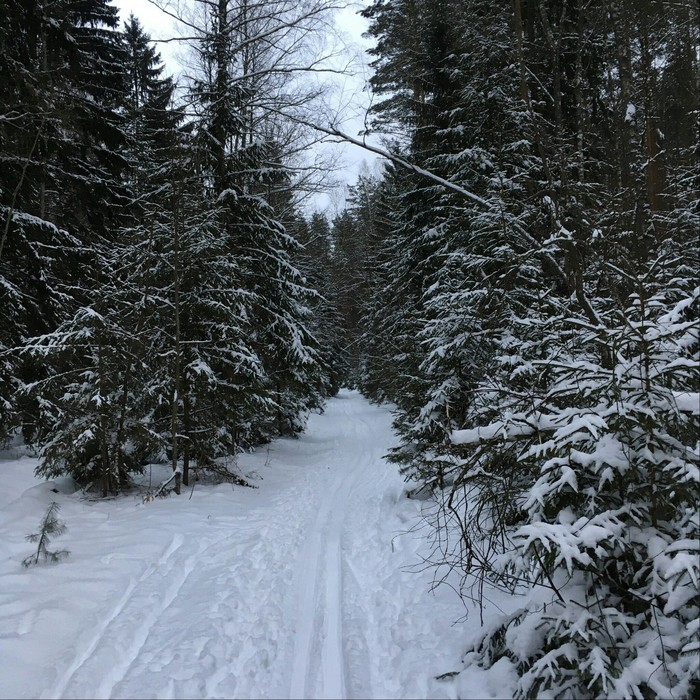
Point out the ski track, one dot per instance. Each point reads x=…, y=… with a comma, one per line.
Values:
x=323, y=555
x=113, y=615
x=325, y=596
x=283, y=598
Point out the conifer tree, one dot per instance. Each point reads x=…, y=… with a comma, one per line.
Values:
x=238, y=165
x=94, y=412
x=61, y=151
x=326, y=325
x=554, y=324
x=50, y=527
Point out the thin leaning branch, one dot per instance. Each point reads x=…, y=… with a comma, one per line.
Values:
x=334, y=132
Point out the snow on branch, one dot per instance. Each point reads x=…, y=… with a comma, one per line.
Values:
x=518, y=426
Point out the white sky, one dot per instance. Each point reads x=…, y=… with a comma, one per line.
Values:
x=355, y=100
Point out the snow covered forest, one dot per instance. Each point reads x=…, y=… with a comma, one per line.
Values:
x=517, y=285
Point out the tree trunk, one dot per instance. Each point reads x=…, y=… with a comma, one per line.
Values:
x=524, y=94
x=177, y=365
x=620, y=25
x=187, y=445
x=655, y=173
x=104, y=470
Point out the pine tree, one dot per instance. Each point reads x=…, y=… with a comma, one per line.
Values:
x=555, y=327
x=50, y=527
x=95, y=422
x=61, y=151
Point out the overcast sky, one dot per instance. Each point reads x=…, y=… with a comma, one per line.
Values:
x=351, y=94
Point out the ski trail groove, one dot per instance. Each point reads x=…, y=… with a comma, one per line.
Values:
x=178, y=572
x=121, y=668
x=311, y=560
x=324, y=597
x=333, y=657
x=283, y=620
x=82, y=658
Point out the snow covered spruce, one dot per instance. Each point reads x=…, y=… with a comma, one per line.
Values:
x=518, y=280
x=600, y=474
x=538, y=329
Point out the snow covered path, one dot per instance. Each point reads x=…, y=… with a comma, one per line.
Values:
x=295, y=589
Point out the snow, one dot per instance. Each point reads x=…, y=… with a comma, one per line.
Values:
x=310, y=585
x=688, y=401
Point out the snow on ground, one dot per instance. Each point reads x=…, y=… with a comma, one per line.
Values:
x=297, y=589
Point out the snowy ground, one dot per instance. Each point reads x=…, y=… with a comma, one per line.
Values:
x=295, y=589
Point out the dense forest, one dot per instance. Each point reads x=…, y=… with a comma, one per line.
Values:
x=520, y=282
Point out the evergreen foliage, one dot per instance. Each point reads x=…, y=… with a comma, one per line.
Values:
x=315, y=261
x=150, y=305
x=60, y=138
x=542, y=346
x=50, y=527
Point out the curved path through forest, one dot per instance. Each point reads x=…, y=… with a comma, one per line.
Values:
x=294, y=589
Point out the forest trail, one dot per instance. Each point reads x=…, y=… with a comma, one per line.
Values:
x=354, y=455
x=294, y=589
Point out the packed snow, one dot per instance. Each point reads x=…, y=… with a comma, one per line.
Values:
x=310, y=585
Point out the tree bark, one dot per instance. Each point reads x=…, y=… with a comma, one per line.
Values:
x=187, y=445
x=517, y=9
x=177, y=345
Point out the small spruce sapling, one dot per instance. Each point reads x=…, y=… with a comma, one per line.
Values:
x=50, y=527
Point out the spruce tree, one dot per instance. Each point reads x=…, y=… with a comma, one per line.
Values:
x=94, y=411
x=239, y=167
x=62, y=151
x=326, y=325
x=50, y=527
x=554, y=326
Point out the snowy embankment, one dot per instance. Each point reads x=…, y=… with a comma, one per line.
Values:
x=297, y=588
